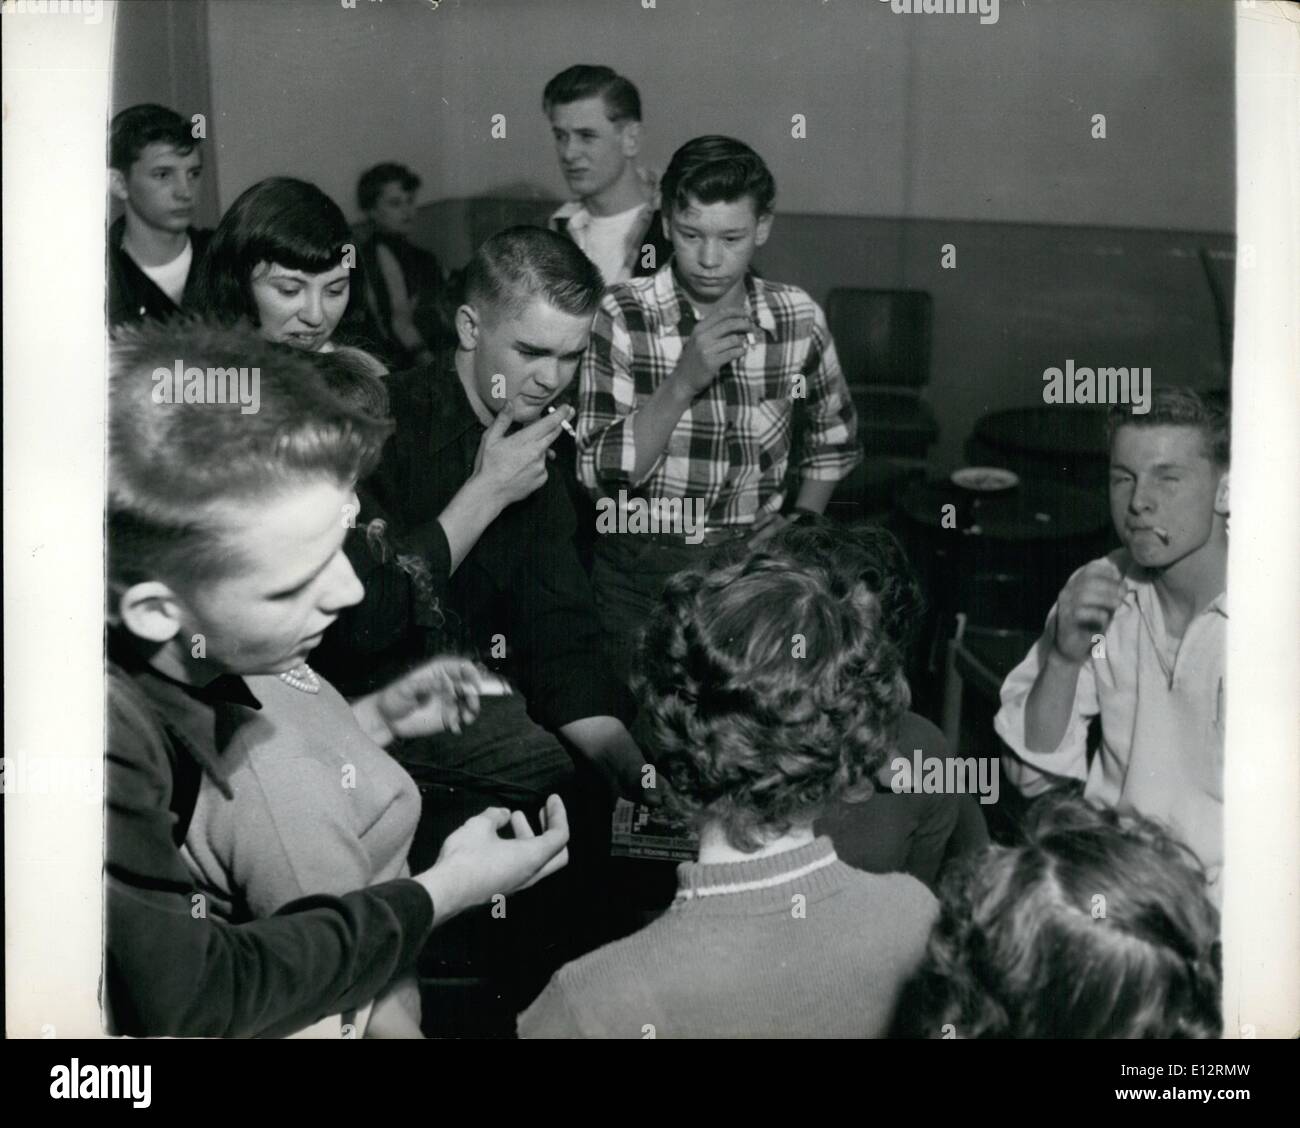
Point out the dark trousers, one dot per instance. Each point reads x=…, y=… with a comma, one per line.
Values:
x=628, y=575
x=505, y=759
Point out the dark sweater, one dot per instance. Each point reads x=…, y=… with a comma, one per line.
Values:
x=522, y=584
x=789, y=945
x=170, y=970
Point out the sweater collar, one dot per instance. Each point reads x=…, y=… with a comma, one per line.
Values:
x=697, y=879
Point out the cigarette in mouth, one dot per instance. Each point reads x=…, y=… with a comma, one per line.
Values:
x=568, y=427
x=1161, y=533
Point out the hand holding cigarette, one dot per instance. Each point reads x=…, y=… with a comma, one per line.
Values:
x=1085, y=607
x=564, y=423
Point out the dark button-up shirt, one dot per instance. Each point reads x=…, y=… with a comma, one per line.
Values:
x=171, y=969
x=521, y=588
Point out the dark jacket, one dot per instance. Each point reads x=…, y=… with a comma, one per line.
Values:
x=171, y=969
x=521, y=587
x=132, y=295
x=433, y=310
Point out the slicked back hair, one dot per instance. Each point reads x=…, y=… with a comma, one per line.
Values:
x=522, y=263
x=1209, y=412
x=176, y=471
x=716, y=169
x=580, y=82
x=137, y=127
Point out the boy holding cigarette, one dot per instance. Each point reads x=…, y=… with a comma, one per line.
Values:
x=1138, y=637
x=689, y=389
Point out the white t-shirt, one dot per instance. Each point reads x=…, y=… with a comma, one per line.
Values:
x=170, y=277
x=604, y=240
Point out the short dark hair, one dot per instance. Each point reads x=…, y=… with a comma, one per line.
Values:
x=1210, y=412
x=279, y=220
x=524, y=262
x=175, y=468
x=867, y=555
x=1097, y=926
x=766, y=697
x=622, y=102
x=137, y=127
x=716, y=169
x=374, y=180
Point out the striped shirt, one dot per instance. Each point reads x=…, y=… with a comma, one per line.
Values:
x=733, y=446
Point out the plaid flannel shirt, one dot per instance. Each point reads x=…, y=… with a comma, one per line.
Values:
x=732, y=446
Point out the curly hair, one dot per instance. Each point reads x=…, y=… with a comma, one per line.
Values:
x=766, y=698
x=1097, y=926
x=864, y=554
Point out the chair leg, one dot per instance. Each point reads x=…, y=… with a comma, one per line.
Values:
x=952, y=690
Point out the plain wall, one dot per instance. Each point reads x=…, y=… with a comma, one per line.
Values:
x=927, y=116
x=160, y=54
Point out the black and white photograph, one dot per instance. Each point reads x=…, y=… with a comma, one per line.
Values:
x=653, y=519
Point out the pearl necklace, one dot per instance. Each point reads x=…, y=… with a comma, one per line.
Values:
x=302, y=677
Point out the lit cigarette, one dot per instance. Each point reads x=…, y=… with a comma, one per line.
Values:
x=1161, y=533
x=568, y=427
x=494, y=687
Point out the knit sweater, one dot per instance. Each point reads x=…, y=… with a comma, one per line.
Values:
x=790, y=945
x=317, y=807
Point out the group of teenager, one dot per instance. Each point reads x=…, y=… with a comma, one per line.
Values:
x=408, y=507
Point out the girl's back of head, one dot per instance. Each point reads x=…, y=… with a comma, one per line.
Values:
x=1097, y=926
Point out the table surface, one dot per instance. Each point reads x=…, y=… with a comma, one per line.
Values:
x=1041, y=510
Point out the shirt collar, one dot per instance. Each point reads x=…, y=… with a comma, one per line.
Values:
x=450, y=413
x=1139, y=588
x=673, y=304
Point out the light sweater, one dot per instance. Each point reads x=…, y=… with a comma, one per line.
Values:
x=317, y=807
x=795, y=944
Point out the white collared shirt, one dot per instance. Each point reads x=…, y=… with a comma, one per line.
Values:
x=1162, y=724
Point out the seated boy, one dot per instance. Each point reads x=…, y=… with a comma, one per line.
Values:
x=225, y=565
x=768, y=695
x=688, y=393
x=1138, y=637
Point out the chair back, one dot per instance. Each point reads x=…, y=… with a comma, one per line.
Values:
x=882, y=336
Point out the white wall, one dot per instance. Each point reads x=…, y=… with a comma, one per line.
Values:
x=929, y=116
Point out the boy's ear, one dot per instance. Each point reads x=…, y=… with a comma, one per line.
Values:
x=1221, y=503
x=117, y=184
x=631, y=139
x=468, y=327
x=150, y=611
x=764, y=229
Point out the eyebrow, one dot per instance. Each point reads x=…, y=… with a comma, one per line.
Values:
x=542, y=350
x=1157, y=467
x=693, y=230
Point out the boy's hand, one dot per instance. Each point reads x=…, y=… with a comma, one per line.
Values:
x=513, y=466
x=441, y=695
x=1085, y=607
x=721, y=337
x=476, y=863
